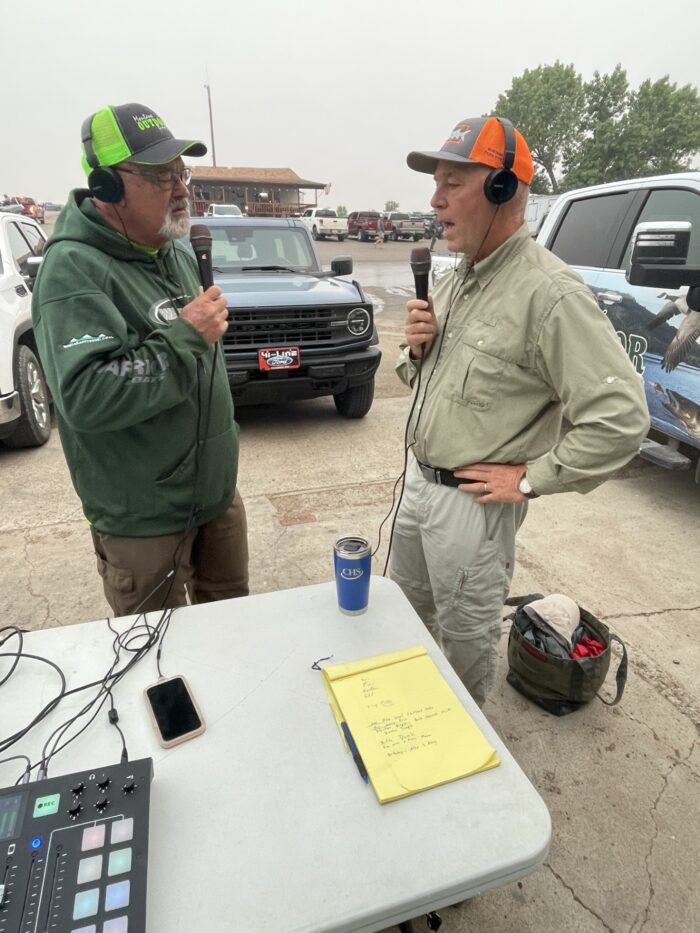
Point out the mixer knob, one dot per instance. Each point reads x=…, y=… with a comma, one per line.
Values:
x=129, y=787
x=78, y=789
x=102, y=805
x=103, y=783
x=74, y=812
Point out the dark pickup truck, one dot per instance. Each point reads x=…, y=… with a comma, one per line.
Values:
x=295, y=331
x=363, y=224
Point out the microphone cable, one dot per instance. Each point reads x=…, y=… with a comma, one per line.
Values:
x=408, y=446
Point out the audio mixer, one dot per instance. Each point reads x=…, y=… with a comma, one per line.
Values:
x=74, y=852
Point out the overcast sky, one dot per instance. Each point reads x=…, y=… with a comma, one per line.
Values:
x=338, y=91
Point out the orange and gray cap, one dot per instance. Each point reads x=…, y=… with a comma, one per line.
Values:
x=481, y=141
x=131, y=132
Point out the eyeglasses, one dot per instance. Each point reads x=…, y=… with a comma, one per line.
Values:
x=163, y=180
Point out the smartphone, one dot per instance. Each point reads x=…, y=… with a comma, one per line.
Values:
x=174, y=712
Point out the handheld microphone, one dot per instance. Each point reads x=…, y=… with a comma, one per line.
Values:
x=200, y=240
x=420, y=266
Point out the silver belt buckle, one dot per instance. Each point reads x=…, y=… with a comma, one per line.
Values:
x=431, y=474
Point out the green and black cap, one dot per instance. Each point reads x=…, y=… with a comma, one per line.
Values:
x=134, y=133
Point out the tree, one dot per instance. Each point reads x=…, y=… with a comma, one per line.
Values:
x=341, y=210
x=547, y=106
x=601, y=130
x=391, y=206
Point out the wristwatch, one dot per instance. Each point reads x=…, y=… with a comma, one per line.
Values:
x=526, y=489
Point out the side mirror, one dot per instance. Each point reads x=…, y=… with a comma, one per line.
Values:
x=30, y=268
x=342, y=265
x=660, y=253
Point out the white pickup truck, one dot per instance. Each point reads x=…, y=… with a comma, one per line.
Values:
x=25, y=417
x=323, y=222
x=399, y=226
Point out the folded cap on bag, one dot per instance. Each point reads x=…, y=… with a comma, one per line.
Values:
x=559, y=612
x=135, y=133
x=477, y=141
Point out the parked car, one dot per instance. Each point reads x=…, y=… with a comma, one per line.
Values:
x=224, y=210
x=295, y=331
x=10, y=205
x=324, y=222
x=399, y=226
x=592, y=229
x=25, y=418
x=363, y=224
x=32, y=209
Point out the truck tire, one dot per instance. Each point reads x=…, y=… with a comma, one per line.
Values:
x=361, y=235
x=341, y=237
x=417, y=236
x=314, y=232
x=356, y=401
x=34, y=427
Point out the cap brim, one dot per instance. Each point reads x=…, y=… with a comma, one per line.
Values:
x=427, y=161
x=167, y=150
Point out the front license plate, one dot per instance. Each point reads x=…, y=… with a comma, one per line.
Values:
x=279, y=358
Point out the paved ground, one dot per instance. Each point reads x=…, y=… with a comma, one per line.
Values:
x=621, y=784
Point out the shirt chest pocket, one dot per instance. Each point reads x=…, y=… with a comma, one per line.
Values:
x=474, y=377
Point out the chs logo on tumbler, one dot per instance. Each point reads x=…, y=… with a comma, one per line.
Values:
x=352, y=557
x=351, y=573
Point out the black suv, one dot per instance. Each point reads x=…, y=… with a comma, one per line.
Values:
x=295, y=331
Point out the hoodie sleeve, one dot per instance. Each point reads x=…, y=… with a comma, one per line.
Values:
x=104, y=377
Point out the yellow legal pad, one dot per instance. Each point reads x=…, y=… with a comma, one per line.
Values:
x=410, y=729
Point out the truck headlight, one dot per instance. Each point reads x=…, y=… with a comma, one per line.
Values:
x=358, y=321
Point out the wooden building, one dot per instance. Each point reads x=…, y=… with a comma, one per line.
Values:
x=261, y=192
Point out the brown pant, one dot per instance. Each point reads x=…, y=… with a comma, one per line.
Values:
x=209, y=562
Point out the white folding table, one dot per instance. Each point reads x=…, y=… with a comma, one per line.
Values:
x=263, y=824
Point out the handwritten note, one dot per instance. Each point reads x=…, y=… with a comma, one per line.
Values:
x=410, y=728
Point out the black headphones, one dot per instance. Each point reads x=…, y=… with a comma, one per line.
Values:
x=502, y=183
x=103, y=181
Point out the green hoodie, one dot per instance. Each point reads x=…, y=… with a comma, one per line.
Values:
x=147, y=428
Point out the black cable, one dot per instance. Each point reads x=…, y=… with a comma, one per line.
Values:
x=443, y=331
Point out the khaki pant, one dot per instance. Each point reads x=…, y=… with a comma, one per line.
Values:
x=453, y=558
x=210, y=563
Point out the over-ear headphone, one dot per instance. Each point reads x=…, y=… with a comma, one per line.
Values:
x=502, y=183
x=103, y=181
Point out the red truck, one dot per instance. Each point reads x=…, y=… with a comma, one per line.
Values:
x=363, y=224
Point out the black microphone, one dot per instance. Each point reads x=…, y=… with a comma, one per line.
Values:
x=200, y=240
x=420, y=266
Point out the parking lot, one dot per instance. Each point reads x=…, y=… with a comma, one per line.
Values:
x=622, y=784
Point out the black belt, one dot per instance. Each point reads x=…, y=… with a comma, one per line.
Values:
x=442, y=477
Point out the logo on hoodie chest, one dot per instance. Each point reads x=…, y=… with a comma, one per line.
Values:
x=165, y=311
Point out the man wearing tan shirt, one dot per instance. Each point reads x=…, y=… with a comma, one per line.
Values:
x=507, y=346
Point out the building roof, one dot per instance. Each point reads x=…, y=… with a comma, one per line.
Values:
x=268, y=176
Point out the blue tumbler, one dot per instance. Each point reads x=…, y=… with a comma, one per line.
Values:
x=352, y=557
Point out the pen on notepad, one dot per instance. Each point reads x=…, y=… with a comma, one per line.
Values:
x=356, y=757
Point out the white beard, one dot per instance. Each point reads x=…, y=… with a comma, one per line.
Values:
x=174, y=229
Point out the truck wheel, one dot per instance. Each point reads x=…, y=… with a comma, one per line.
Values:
x=340, y=238
x=34, y=427
x=417, y=236
x=361, y=236
x=356, y=401
x=314, y=232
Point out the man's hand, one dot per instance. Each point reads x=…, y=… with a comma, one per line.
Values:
x=421, y=326
x=495, y=482
x=208, y=314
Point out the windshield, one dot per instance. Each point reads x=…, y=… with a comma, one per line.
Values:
x=325, y=213
x=247, y=245
x=230, y=209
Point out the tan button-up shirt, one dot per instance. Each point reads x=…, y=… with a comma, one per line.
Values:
x=523, y=344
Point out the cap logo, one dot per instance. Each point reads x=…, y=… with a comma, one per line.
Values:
x=458, y=134
x=147, y=120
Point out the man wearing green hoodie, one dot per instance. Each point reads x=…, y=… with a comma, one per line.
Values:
x=130, y=346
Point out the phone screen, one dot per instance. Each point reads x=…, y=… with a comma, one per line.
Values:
x=173, y=708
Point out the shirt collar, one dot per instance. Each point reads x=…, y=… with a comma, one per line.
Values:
x=485, y=270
